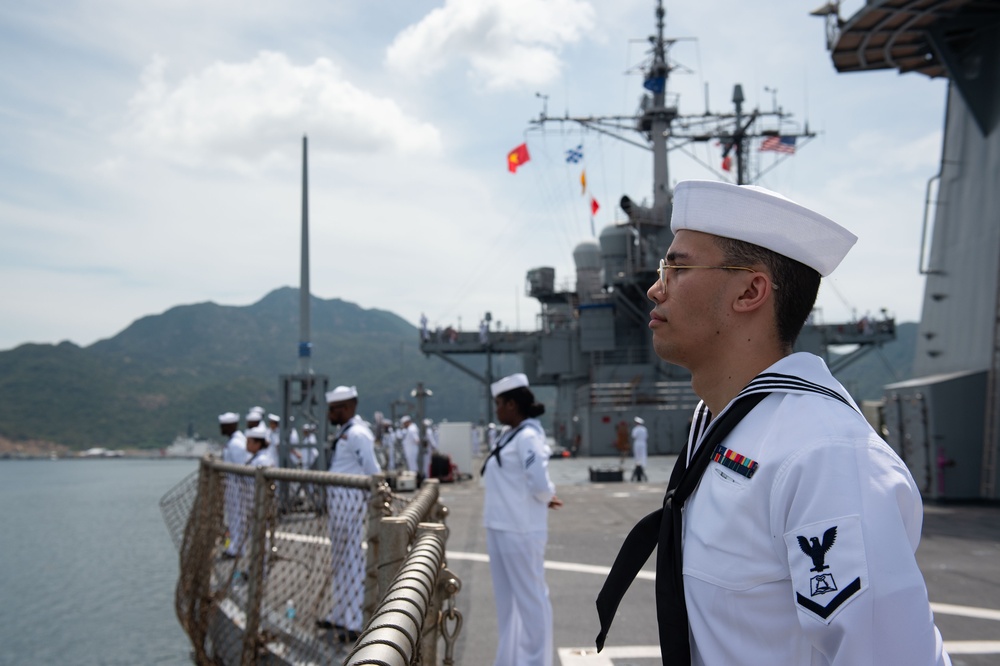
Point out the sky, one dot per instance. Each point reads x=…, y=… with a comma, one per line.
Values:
x=151, y=151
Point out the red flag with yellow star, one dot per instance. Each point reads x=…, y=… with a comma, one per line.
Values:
x=517, y=157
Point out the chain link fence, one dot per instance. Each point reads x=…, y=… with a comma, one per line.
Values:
x=282, y=566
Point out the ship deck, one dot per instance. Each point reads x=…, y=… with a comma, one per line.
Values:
x=959, y=555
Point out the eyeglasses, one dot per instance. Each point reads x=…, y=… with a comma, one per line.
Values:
x=662, y=271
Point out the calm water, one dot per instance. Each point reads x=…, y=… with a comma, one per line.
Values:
x=87, y=568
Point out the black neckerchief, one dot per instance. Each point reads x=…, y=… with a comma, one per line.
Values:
x=504, y=440
x=340, y=435
x=662, y=528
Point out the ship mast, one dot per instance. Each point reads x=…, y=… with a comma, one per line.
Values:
x=664, y=129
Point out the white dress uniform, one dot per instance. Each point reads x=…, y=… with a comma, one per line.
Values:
x=640, y=435
x=353, y=453
x=411, y=446
x=432, y=446
x=234, y=452
x=304, y=454
x=515, y=514
x=799, y=540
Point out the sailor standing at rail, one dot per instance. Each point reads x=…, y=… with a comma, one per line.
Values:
x=353, y=452
x=235, y=451
x=518, y=496
x=258, y=456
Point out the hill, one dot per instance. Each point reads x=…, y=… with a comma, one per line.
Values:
x=180, y=369
x=146, y=385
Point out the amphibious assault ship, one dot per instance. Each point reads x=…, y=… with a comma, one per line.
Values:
x=946, y=423
x=593, y=343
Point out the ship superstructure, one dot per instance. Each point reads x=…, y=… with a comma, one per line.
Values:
x=946, y=422
x=593, y=342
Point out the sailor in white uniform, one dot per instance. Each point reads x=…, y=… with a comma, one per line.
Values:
x=640, y=435
x=430, y=446
x=792, y=523
x=257, y=449
x=353, y=453
x=302, y=456
x=234, y=451
x=411, y=443
x=518, y=496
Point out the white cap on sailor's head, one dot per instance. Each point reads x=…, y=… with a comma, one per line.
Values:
x=508, y=383
x=341, y=393
x=274, y=418
x=755, y=215
x=309, y=426
x=406, y=419
x=254, y=416
x=257, y=432
x=258, y=410
x=639, y=420
x=229, y=418
x=428, y=422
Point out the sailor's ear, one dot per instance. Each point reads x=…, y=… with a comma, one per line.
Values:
x=756, y=291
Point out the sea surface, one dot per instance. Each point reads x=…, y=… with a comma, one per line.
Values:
x=87, y=567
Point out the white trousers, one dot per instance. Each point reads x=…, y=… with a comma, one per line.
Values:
x=524, y=612
x=347, y=510
x=411, y=450
x=238, y=499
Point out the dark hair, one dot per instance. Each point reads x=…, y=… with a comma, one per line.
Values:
x=796, y=284
x=524, y=400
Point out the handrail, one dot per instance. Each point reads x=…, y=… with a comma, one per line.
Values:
x=399, y=627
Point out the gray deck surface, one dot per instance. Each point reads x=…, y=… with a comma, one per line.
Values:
x=959, y=555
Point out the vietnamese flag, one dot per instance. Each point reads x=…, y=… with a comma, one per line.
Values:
x=517, y=157
x=594, y=206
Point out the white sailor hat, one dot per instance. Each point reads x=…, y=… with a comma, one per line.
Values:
x=309, y=426
x=228, y=418
x=762, y=217
x=258, y=410
x=341, y=393
x=638, y=420
x=428, y=422
x=254, y=416
x=510, y=382
x=257, y=432
x=274, y=417
x=405, y=419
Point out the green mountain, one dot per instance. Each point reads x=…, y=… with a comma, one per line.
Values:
x=182, y=368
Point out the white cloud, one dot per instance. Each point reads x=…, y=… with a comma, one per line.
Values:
x=505, y=43
x=238, y=112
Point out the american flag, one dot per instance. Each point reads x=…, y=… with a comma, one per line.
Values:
x=779, y=144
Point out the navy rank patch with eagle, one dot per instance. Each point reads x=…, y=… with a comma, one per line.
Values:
x=828, y=566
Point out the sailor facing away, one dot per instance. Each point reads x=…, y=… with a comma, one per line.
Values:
x=353, y=452
x=518, y=496
x=235, y=451
x=789, y=528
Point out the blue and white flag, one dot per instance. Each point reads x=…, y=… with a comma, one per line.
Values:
x=574, y=155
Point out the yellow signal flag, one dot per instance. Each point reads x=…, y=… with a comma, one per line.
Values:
x=583, y=182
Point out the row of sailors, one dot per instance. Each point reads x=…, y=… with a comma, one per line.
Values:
x=238, y=446
x=241, y=449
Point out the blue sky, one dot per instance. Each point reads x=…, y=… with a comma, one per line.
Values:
x=151, y=151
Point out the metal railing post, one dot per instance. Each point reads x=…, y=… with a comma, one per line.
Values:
x=258, y=552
